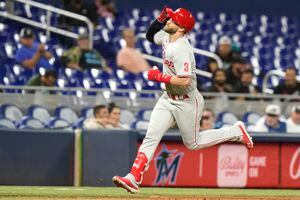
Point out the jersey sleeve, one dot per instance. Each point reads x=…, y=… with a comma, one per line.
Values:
x=182, y=62
x=160, y=36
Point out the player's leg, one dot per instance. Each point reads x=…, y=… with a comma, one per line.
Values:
x=208, y=138
x=160, y=121
x=194, y=139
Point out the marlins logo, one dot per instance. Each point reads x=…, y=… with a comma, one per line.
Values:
x=167, y=163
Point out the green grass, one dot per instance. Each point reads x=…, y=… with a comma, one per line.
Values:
x=30, y=193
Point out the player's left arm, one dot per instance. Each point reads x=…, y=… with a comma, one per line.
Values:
x=179, y=80
x=155, y=75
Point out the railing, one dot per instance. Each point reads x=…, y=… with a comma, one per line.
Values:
x=48, y=27
x=100, y=90
x=268, y=75
x=132, y=99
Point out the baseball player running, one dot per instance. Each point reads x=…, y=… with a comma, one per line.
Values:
x=181, y=102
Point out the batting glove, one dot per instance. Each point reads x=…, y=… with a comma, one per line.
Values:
x=163, y=16
x=155, y=75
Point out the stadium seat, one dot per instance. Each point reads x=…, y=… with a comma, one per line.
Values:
x=127, y=117
x=251, y=128
x=87, y=112
x=140, y=125
x=246, y=27
x=11, y=112
x=28, y=122
x=66, y=113
x=79, y=123
x=39, y=112
x=250, y=118
x=6, y=123
x=58, y=123
x=144, y=114
x=226, y=117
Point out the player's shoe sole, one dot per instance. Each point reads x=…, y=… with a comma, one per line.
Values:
x=247, y=139
x=120, y=182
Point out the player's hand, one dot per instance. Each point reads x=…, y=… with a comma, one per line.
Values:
x=153, y=73
x=163, y=16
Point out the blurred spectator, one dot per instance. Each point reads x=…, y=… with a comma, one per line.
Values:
x=290, y=84
x=270, y=122
x=234, y=72
x=114, y=117
x=31, y=54
x=106, y=8
x=219, y=82
x=245, y=86
x=79, y=7
x=100, y=119
x=82, y=57
x=293, y=122
x=47, y=80
x=129, y=58
x=224, y=51
x=200, y=86
x=207, y=120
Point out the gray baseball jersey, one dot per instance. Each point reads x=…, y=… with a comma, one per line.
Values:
x=179, y=60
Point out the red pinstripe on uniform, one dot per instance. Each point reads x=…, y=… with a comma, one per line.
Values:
x=196, y=121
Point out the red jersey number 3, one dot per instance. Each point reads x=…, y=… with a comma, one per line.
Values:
x=186, y=66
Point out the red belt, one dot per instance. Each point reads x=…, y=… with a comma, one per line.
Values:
x=178, y=96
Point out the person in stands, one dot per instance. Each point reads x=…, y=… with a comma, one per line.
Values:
x=290, y=84
x=219, y=82
x=100, y=119
x=225, y=52
x=293, y=122
x=83, y=57
x=114, y=117
x=46, y=80
x=207, y=120
x=32, y=55
x=129, y=58
x=271, y=122
x=245, y=86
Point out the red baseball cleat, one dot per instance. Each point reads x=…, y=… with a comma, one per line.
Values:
x=246, y=139
x=127, y=183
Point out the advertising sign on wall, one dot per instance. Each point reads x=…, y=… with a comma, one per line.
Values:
x=290, y=166
x=225, y=165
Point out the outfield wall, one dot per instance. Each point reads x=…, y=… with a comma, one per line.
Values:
x=30, y=157
x=92, y=158
x=227, y=165
x=105, y=154
x=273, y=162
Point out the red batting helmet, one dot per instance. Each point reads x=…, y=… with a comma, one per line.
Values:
x=182, y=17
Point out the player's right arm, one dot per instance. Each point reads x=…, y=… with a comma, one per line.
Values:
x=154, y=33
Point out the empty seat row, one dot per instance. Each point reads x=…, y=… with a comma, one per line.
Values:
x=38, y=117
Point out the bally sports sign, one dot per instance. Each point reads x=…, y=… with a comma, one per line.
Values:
x=226, y=165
